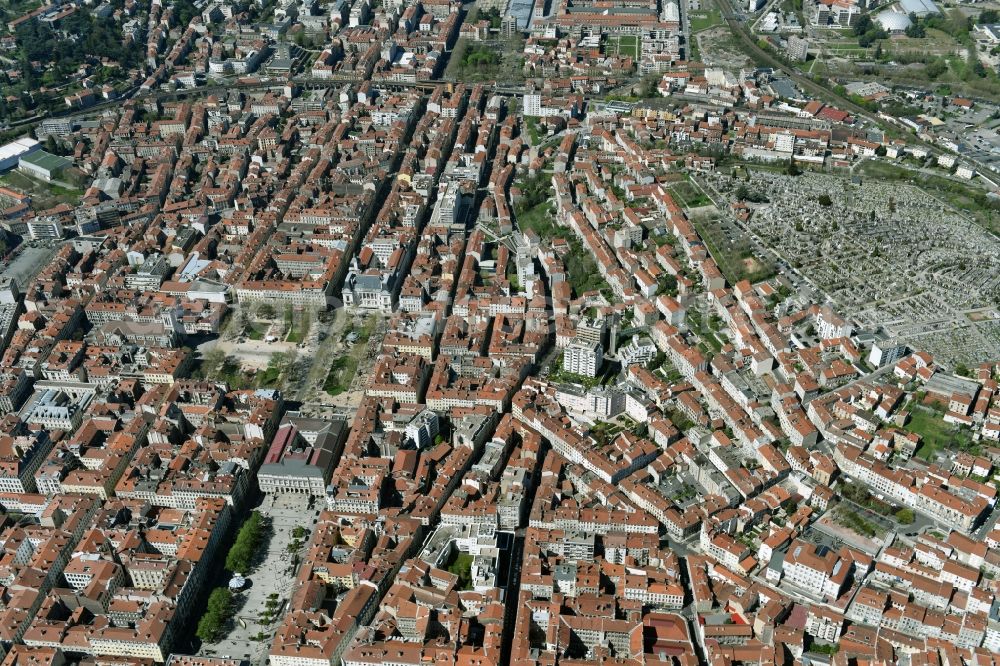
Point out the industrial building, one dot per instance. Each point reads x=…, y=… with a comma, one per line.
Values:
x=12, y=152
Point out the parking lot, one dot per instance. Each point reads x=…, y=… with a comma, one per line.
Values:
x=252, y=631
x=27, y=261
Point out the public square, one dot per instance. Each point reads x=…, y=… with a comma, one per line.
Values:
x=273, y=575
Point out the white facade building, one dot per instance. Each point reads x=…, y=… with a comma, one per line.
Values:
x=583, y=359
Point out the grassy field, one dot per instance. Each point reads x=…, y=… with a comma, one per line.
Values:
x=703, y=20
x=581, y=270
x=43, y=195
x=271, y=375
x=498, y=60
x=626, y=45
x=937, y=435
x=847, y=48
x=256, y=330
x=936, y=42
x=17, y=7
x=693, y=52
x=340, y=376
x=297, y=325
x=853, y=520
x=539, y=220
x=710, y=342
x=216, y=366
x=735, y=259
x=461, y=566
x=604, y=432
x=688, y=195
x=921, y=61
x=531, y=124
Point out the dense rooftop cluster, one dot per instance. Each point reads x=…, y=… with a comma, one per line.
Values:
x=336, y=359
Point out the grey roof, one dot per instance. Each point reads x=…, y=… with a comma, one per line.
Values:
x=368, y=283
x=946, y=384
x=291, y=467
x=785, y=88
x=893, y=21
x=919, y=7
x=47, y=161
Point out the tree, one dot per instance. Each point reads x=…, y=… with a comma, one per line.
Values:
x=905, y=516
x=824, y=200
x=240, y=556
x=185, y=11
x=218, y=611
x=974, y=67
x=266, y=311
x=743, y=193
x=863, y=25
x=989, y=16
x=958, y=24
x=212, y=362
x=830, y=649
x=792, y=169
x=90, y=37
x=916, y=28
x=667, y=285
x=962, y=370
x=935, y=68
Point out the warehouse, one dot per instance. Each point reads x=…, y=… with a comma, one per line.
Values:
x=41, y=164
x=15, y=150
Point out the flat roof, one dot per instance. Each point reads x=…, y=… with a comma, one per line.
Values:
x=17, y=147
x=945, y=384
x=919, y=7
x=47, y=161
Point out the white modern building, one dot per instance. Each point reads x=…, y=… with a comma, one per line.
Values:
x=639, y=349
x=423, y=429
x=583, y=359
x=886, y=352
x=12, y=152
